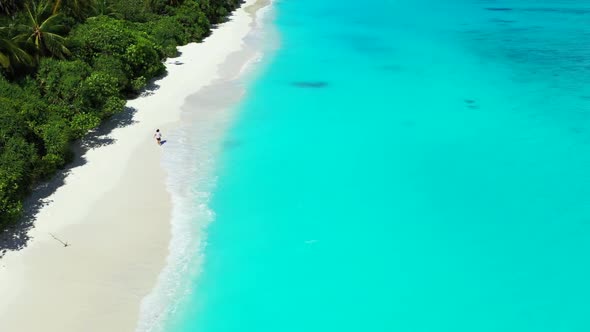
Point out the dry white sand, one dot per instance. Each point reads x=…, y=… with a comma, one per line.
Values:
x=113, y=211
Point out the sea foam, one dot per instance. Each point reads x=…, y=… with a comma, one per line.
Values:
x=189, y=163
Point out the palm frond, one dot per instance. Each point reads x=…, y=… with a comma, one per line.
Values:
x=11, y=54
x=21, y=56
x=9, y=7
x=56, y=7
x=77, y=8
x=55, y=44
x=30, y=15
x=50, y=23
x=4, y=60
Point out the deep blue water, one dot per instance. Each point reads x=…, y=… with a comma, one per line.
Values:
x=406, y=166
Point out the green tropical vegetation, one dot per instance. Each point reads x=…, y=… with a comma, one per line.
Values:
x=68, y=65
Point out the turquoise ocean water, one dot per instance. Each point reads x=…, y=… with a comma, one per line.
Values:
x=405, y=166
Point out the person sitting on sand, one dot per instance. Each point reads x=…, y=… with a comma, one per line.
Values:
x=158, y=136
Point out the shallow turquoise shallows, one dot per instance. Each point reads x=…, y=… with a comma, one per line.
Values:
x=406, y=165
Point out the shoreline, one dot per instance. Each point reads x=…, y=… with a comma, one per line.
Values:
x=206, y=116
x=113, y=210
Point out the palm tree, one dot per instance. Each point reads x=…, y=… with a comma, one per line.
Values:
x=106, y=8
x=43, y=31
x=80, y=9
x=11, y=53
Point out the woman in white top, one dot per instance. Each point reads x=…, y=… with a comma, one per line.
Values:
x=158, y=136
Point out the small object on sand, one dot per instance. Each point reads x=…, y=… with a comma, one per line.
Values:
x=62, y=242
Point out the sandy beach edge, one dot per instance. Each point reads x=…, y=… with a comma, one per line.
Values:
x=113, y=211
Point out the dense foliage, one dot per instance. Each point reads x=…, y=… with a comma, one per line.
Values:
x=67, y=65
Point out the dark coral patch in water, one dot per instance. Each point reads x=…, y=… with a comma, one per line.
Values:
x=471, y=104
x=499, y=9
x=501, y=21
x=310, y=84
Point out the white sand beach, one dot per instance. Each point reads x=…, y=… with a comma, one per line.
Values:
x=113, y=210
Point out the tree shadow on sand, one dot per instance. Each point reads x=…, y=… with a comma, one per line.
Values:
x=151, y=87
x=16, y=236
